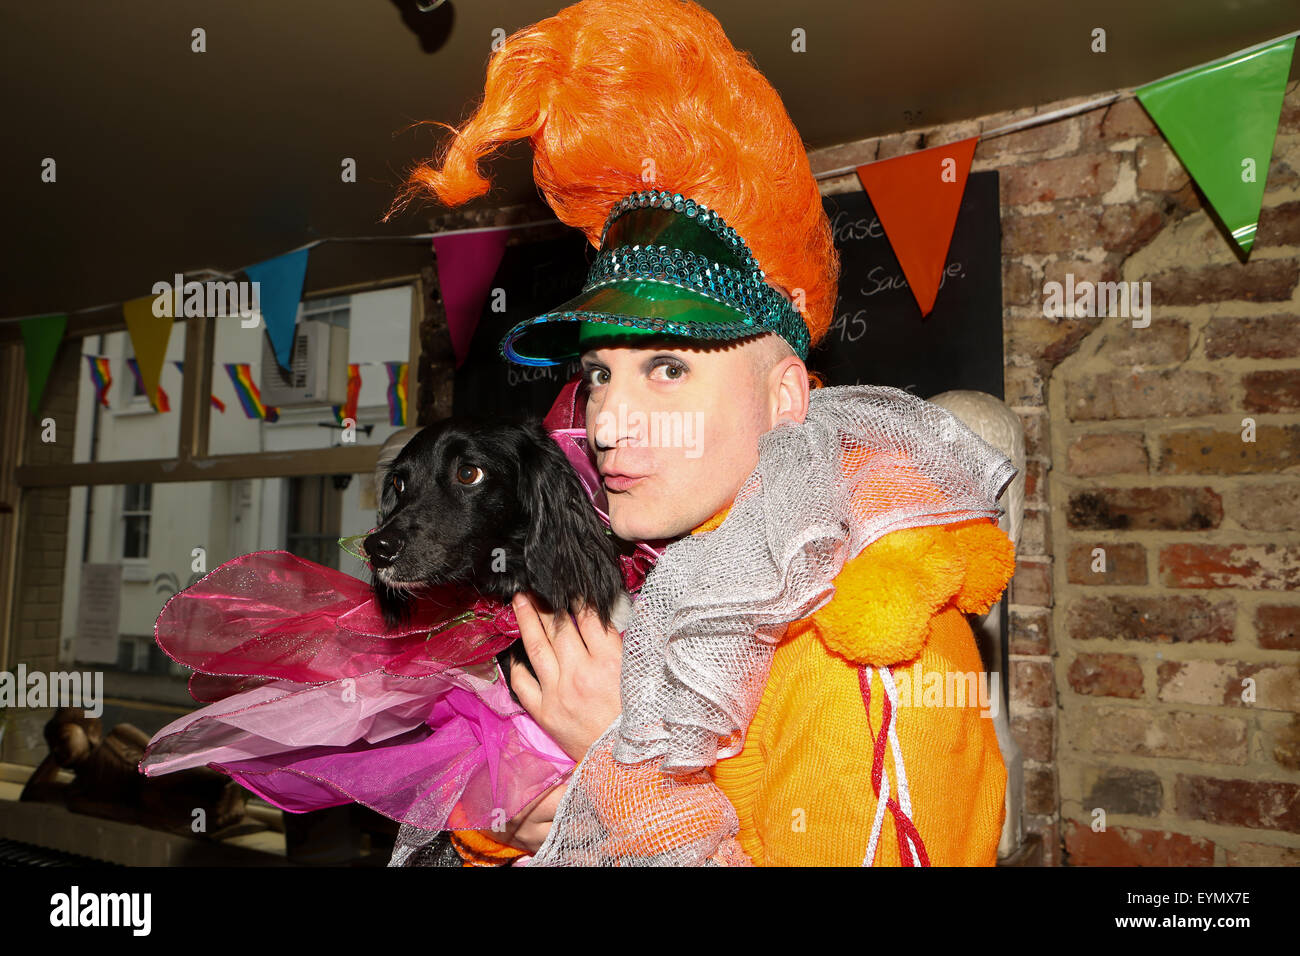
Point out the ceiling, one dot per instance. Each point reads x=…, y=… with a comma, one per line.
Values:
x=171, y=161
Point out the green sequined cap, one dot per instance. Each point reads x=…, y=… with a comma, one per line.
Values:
x=667, y=267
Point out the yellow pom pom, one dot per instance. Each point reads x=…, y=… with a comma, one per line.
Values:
x=885, y=597
x=990, y=563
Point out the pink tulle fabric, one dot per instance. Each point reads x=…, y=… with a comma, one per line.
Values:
x=311, y=703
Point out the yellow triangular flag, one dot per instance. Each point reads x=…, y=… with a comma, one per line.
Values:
x=149, y=336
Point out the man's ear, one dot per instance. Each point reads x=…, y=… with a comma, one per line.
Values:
x=788, y=391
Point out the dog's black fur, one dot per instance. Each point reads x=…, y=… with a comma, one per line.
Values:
x=525, y=525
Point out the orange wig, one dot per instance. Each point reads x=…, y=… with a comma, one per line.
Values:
x=623, y=95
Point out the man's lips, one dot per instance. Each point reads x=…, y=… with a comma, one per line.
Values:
x=618, y=481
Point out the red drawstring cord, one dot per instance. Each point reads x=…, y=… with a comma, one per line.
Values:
x=903, y=826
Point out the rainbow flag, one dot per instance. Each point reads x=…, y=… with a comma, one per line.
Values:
x=162, y=405
x=241, y=377
x=396, y=392
x=100, y=377
x=217, y=403
x=349, y=408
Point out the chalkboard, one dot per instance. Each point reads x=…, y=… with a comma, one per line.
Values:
x=878, y=337
x=536, y=277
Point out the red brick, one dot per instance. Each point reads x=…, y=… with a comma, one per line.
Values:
x=1159, y=169
x=1148, y=394
x=1035, y=735
x=1107, y=453
x=1122, y=790
x=1154, y=620
x=1221, y=683
x=1032, y=685
x=1037, y=426
x=1047, y=341
x=1272, y=390
x=1018, y=286
x=1162, y=343
x=1032, y=583
x=1129, y=846
x=1267, y=336
x=1070, y=177
x=1048, y=829
x=1035, y=482
x=1279, y=225
x=1277, y=627
x=1168, y=508
x=1031, y=631
x=1256, y=804
x=1040, y=790
x=1282, y=743
x=1141, y=731
x=1266, y=507
x=1106, y=675
x=1261, y=854
x=1035, y=533
x=1260, y=567
x=1124, y=564
x=1125, y=119
x=1262, y=280
x=1127, y=227
x=1207, y=451
x=1058, y=231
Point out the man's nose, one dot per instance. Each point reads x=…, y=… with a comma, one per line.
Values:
x=619, y=417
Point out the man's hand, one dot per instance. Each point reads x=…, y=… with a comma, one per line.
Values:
x=528, y=830
x=576, y=694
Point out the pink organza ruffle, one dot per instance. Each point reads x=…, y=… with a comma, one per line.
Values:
x=314, y=705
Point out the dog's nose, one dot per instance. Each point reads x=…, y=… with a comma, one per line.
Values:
x=383, y=547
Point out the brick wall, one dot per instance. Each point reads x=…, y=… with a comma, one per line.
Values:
x=40, y=561
x=1127, y=669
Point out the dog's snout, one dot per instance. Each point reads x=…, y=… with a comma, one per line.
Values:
x=383, y=547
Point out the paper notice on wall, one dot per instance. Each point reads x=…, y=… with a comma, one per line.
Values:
x=98, y=614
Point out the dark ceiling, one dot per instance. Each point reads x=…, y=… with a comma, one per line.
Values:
x=171, y=161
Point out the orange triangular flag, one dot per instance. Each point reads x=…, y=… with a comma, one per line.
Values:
x=916, y=198
x=149, y=334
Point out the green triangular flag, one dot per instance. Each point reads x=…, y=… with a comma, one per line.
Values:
x=41, y=337
x=1221, y=119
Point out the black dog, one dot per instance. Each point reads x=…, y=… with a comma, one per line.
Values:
x=496, y=506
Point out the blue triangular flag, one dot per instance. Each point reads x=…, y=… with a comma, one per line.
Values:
x=279, y=292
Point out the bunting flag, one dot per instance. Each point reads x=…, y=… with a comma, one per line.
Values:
x=916, y=198
x=467, y=263
x=162, y=404
x=149, y=335
x=41, y=337
x=1221, y=121
x=217, y=403
x=349, y=407
x=246, y=389
x=100, y=377
x=279, y=290
x=396, y=392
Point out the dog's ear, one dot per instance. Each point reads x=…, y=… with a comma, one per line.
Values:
x=568, y=554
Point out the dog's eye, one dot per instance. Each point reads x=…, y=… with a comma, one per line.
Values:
x=469, y=474
x=399, y=485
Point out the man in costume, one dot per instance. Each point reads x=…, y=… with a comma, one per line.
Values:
x=826, y=544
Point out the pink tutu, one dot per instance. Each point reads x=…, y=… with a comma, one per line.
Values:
x=312, y=703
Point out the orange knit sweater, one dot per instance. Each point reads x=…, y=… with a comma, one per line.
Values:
x=801, y=785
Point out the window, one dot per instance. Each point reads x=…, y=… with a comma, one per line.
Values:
x=136, y=505
x=170, y=495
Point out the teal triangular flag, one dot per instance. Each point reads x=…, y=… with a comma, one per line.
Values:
x=279, y=292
